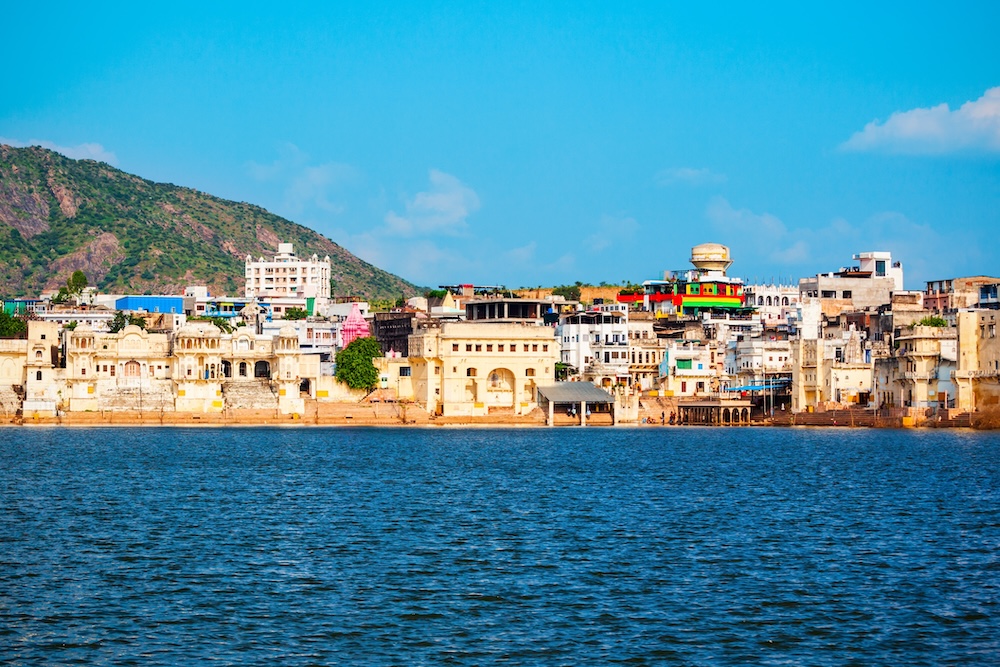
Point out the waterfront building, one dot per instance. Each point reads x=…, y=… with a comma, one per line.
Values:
x=481, y=367
x=594, y=343
x=921, y=373
x=690, y=369
x=646, y=351
x=977, y=375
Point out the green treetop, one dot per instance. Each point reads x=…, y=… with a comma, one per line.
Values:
x=354, y=364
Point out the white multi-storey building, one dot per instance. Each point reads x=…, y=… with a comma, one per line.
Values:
x=287, y=276
x=595, y=342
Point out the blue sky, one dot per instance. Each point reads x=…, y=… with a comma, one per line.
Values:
x=546, y=143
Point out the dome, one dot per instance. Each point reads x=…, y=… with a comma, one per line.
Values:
x=199, y=329
x=288, y=331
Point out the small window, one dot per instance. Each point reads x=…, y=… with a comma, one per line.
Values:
x=847, y=294
x=545, y=348
x=404, y=371
x=43, y=336
x=470, y=372
x=112, y=370
x=468, y=347
x=525, y=347
x=534, y=348
x=479, y=348
x=83, y=371
x=437, y=370
x=500, y=347
x=454, y=347
x=489, y=348
x=38, y=375
x=530, y=372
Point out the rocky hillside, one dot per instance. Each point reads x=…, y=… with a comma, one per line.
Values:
x=130, y=235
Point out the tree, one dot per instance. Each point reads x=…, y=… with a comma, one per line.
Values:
x=933, y=321
x=354, y=363
x=569, y=292
x=75, y=285
x=121, y=320
x=225, y=326
x=295, y=313
x=11, y=326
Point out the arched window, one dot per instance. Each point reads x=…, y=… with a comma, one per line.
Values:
x=38, y=354
x=243, y=369
x=784, y=301
x=760, y=301
x=38, y=376
x=769, y=301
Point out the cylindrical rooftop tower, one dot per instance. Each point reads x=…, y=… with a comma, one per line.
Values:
x=711, y=257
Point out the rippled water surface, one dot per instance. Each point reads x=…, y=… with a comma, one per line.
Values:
x=527, y=547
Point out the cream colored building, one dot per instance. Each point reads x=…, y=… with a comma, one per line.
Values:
x=478, y=368
x=199, y=369
x=924, y=362
x=832, y=371
x=977, y=376
x=693, y=370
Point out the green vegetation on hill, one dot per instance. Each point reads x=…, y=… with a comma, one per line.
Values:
x=130, y=235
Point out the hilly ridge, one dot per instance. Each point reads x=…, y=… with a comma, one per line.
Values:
x=131, y=235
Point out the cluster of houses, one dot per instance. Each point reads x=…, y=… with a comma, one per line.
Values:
x=697, y=346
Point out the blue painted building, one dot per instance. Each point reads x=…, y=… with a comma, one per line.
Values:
x=151, y=304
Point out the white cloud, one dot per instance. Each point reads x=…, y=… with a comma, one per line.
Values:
x=305, y=185
x=442, y=209
x=522, y=254
x=975, y=126
x=726, y=218
x=86, y=151
x=762, y=242
x=688, y=176
x=612, y=230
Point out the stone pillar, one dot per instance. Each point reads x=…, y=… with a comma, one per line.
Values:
x=583, y=413
x=552, y=413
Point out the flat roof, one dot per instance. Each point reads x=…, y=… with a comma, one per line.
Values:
x=575, y=392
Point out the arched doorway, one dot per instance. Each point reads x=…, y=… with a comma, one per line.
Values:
x=262, y=369
x=227, y=369
x=304, y=387
x=500, y=388
x=132, y=369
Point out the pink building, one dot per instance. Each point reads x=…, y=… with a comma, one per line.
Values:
x=354, y=327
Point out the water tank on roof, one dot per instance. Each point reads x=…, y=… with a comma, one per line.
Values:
x=711, y=257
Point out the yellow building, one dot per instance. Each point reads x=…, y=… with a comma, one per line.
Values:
x=479, y=368
x=977, y=376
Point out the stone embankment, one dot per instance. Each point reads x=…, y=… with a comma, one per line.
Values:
x=409, y=414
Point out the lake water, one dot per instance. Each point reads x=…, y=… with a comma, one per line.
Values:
x=525, y=547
